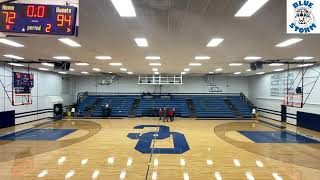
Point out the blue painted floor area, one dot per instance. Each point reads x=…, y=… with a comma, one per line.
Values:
x=144, y=145
x=276, y=137
x=38, y=134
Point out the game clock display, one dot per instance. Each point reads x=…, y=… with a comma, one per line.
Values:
x=38, y=19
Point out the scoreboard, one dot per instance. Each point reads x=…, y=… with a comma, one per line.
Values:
x=38, y=19
x=22, y=80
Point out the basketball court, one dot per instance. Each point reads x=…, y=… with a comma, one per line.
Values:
x=159, y=89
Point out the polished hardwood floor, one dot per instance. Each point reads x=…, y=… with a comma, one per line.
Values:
x=100, y=149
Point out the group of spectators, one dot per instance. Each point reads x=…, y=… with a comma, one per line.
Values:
x=167, y=114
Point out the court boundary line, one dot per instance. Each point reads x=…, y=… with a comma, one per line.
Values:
x=259, y=153
x=152, y=149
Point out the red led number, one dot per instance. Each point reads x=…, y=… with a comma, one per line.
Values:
x=10, y=17
x=36, y=11
x=62, y=19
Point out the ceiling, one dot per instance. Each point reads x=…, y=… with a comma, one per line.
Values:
x=177, y=31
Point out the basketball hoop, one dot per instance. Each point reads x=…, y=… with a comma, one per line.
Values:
x=293, y=100
x=21, y=99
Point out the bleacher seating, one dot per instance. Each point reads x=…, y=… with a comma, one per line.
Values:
x=147, y=106
x=211, y=107
x=205, y=106
x=120, y=105
x=85, y=104
x=242, y=107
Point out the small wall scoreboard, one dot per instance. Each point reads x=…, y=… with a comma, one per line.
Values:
x=38, y=19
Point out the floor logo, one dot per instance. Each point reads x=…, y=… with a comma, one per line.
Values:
x=303, y=17
x=145, y=140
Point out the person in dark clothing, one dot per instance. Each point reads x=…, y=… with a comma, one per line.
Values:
x=173, y=114
x=165, y=115
x=160, y=113
x=104, y=110
x=108, y=110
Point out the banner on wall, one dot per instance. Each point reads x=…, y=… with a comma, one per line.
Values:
x=279, y=84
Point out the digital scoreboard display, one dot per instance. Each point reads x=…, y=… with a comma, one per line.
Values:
x=38, y=19
x=22, y=80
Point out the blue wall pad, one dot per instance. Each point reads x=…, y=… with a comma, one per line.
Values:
x=145, y=140
x=7, y=119
x=308, y=121
x=276, y=137
x=38, y=134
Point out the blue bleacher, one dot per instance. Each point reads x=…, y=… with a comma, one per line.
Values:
x=211, y=107
x=120, y=105
x=206, y=106
x=242, y=107
x=87, y=102
x=177, y=102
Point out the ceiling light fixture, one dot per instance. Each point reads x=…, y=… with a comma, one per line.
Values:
x=186, y=69
x=214, y=42
x=129, y=72
x=154, y=69
x=259, y=73
x=82, y=64
x=202, y=57
x=96, y=69
x=124, y=7
x=10, y=42
x=219, y=69
x=152, y=57
x=84, y=72
x=155, y=64
x=277, y=70
x=141, y=42
x=195, y=64
x=305, y=65
x=252, y=58
x=156, y=73
x=250, y=7
x=237, y=73
x=62, y=72
x=48, y=64
x=183, y=73
x=13, y=56
x=103, y=57
x=248, y=70
x=69, y=42
x=61, y=57
x=235, y=64
x=276, y=64
x=43, y=69
x=289, y=42
x=71, y=69
x=123, y=69
x=115, y=64
x=16, y=64
x=303, y=58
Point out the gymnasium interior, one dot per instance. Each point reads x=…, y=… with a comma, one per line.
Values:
x=160, y=89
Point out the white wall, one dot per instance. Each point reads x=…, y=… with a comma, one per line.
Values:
x=190, y=85
x=49, y=88
x=259, y=94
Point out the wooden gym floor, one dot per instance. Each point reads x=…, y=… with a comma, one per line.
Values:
x=100, y=149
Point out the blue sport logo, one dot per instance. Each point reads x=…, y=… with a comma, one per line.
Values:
x=302, y=15
x=145, y=140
